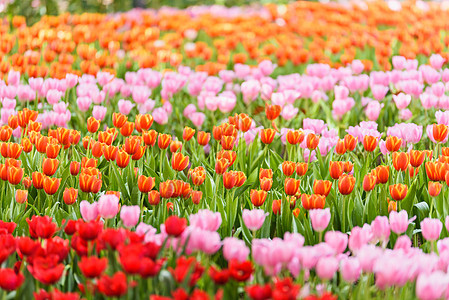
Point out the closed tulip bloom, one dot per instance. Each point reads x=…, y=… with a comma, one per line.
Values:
x=163, y=141
x=110, y=152
x=431, y=286
x=322, y=187
x=196, y=197
x=265, y=173
x=241, y=178
x=301, y=169
x=217, y=132
x=254, y=219
x=38, y=180
x=336, y=169
x=392, y=206
x=272, y=111
x=14, y=150
x=175, y=146
x=393, y=143
x=74, y=168
x=434, y=188
x=26, y=181
x=127, y=128
x=346, y=184
x=266, y=183
x=221, y=165
x=350, y=269
x=93, y=125
x=108, y=206
x=258, y=197
x=154, y=197
x=340, y=148
x=312, y=141
x=130, y=215
x=295, y=137
x=11, y=279
x=15, y=175
x=288, y=168
x=145, y=184
x=398, y=191
x=440, y=132
x=398, y=221
x=49, y=166
x=326, y=267
x=380, y=228
x=122, y=159
x=320, y=219
x=369, y=143
x=70, y=195
x=431, y=171
x=401, y=161
x=118, y=119
x=229, y=179
x=175, y=226
x=350, y=142
x=337, y=240
x=382, y=174
x=51, y=185
x=52, y=150
x=188, y=133
x=291, y=186
x=416, y=158
x=143, y=122
x=369, y=182
x=92, y=266
x=203, y=138
x=179, y=161
x=267, y=135
x=431, y=229
x=149, y=137
x=21, y=196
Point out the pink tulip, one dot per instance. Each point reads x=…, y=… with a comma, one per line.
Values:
x=372, y=110
x=71, y=80
x=197, y=118
x=125, y=106
x=337, y=240
x=108, y=206
x=254, y=219
x=380, y=228
x=402, y=100
x=357, y=66
x=326, y=267
x=399, y=221
x=141, y=94
x=130, y=215
x=205, y=241
x=320, y=218
x=350, y=269
x=431, y=229
x=436, y=61
x=233, y=248
x=206, y=220
x=403, y=242
x=143, y=229
x=53, y=96
x=379, y=91
x=99, y=112
x=89, y=211
x=160, y=116
x=367, y=256
x=399, y=62
x=83, y=103
x=13, y=77
x=405, y=114
x=432, y=286
x=189, y=109
x=359, y=237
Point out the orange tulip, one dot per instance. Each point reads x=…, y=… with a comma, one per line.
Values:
x=163, y=141
x=241, y=178
x=272, y=111
x=227, y=142
x=38, y=180
x=154, y=197
x=110, y=152
x=143, y=122
x=434, y=188
x=295, y=137
x=167, y=188
x=266, y=183
x=369, y=143
x=118, y=119
x=49, y=166
x=267, y=135
x=369, y=182
x=392, y=205
x=288, y=168
x=291, y=186
x=26, y=144
x=52, y=150
x=14, y=150
x=198, y=175
x=322, y=187
x=382, y=174
x=230, y=155
x=97, y=149
x=431, y=171
x=15, y=175
x=258, y=197
x=221, y=165
x=313, y=201
x=229, y=179
x=179, y=161
x=398, y=191
x=416, y=157
x=188, y=133
x=92, y=124
x=74, y=168
x=26, y=181
x=122, y=159
x=301, y=169
x=149, y=137
x=139, y=153
x=21, y=196
x=70, y=195
x=203, y=138
x=350, y=142
x=401, y=161
x=51, y=185
x=340, y=148
x=312, y=141
x=265, y=173
x=196, y=197
x=439, y=132
x=145, y=184
x=336, y=168
x=217, y=132
x=393, y=143
x=276, y=206
x=127, y=129
x=346, y=184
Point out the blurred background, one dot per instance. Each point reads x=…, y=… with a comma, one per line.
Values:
x=34, y=9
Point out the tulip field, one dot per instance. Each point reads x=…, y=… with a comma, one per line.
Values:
x=278, y=151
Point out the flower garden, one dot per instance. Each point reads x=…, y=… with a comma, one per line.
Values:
x=293, y=151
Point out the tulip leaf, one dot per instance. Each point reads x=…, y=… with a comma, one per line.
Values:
x=421, y=210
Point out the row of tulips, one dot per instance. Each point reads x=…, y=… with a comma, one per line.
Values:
x=213, y=38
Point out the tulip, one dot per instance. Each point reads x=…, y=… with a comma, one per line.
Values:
x=314, y=201
x=196, y=197
x=301, y=169
x=350, y=142
x=267, y=135
x=440, y=132
x=398, y=191
x=346, y=184
x=93, y=125
x=288, y=168
x=401, y=161
x=153, y=197
x=434, y=188
x=51, y=185
x=291, y=186
x=108, y=206
x=382, y=174
x=188, y=133
x=337, y=240
x=393, y=143
x=369, y=143
x=92, y=266
x=21, y=196
x=369, y=182
x=254, y=219
x=163, y=141
x=335, y=169
x=258, y=197
x=431, y=229
x=322, y=187
x=340, y=148
x=179, y=161
x=70, y=195
x=398, y=221
x=326, y=267
x=312, y=141
x=145, y=184
x=266, y=183
x=272, y=111
x=175, y=226
x=320, y=218
x=203, y=138
x=350, y=269
x=130, y=215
